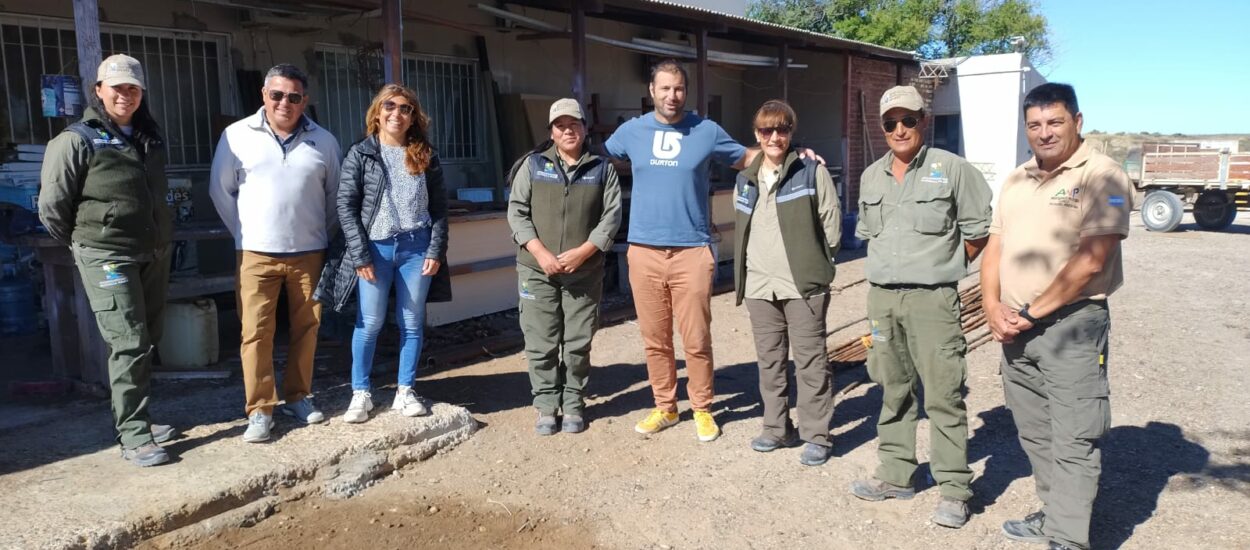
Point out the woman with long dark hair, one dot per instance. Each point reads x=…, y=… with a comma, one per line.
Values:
x=103, y=194
x=393, y=212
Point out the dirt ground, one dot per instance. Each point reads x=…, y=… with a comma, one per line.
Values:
x=1176, y=462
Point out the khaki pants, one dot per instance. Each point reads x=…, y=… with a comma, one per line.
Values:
x=917, y=339
x=778, y=326
x=261, y=278
x=1055, y=380
x=676, y=283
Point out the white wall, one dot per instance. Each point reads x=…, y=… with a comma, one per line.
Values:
x=990, y=90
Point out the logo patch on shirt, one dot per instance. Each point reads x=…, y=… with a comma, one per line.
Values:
x=1067, y=198
x=1115, y=200
x=935, y=174
x=665, y=147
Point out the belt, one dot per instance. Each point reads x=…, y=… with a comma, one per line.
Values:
x=1069, y=309
x=910, y=286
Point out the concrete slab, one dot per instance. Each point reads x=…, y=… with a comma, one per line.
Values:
x=64, y=485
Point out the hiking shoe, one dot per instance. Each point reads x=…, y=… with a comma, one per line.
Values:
x=150, y=454
x=814, y=455
x=258, y=426
x=162, y=433
x=951, y=513
x=407, y=403
x=705, y=426
x=657, y=420
x=1028, y=529
x=765, y=443
x=876, y=490
x=572, y=424
x=304, y=411
x=546, y=424
x=1060, y=546
x=358, y=409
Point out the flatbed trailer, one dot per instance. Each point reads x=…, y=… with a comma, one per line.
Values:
x=1214, y=182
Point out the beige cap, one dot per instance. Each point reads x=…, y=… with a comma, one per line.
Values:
x=566, y=106
x=120, y=69
x=905, y=97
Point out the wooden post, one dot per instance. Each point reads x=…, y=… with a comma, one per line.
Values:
x=701, y=71
x=87, y=29
x=579, y=52
x=392, y=41
x=783, y=70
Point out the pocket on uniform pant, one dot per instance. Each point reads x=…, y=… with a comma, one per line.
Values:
x=1093, y=417
x=103, y=303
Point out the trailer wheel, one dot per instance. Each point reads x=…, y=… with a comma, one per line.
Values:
x=1162, y=210
x=1214, y=211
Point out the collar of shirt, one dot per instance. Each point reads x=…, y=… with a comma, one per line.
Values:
x=768, y=177
x=1075, y=161
x=299, y=129
x=916, y=161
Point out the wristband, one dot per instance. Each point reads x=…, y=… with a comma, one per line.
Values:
x=1024, y=313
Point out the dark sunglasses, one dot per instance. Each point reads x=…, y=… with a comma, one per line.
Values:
x=908, y=122
x=779, y=130
x=389, y=106
x=294, y=98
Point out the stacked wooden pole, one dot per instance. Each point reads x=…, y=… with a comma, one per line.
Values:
x=855, y=352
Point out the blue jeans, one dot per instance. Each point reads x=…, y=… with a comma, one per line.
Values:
x=398, y=259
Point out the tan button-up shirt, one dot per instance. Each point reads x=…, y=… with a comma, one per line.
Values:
x=1041, y=219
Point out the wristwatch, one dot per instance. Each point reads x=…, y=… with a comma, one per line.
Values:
x=1024, y=313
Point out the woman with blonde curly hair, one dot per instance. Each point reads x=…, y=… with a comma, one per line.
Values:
x=393, y=212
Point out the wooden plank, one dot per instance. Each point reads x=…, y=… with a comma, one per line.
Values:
x=578, y=15
x=392, y=41
x=87, y=31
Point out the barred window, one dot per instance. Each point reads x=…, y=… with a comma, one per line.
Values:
x=185, y=75
x=448, y=88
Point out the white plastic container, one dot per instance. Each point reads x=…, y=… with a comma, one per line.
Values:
x=190, y=337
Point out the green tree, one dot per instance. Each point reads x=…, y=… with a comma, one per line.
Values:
x=931, y=28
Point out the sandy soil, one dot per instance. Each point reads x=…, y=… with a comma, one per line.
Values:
x=1176, y=463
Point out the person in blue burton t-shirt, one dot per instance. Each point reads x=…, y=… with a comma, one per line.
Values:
x=670, y=255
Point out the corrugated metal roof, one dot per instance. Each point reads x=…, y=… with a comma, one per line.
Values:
x=781, y=30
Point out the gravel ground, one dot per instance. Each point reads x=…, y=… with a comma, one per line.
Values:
x=1176, y=462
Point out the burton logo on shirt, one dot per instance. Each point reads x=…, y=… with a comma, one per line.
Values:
x=665, y=148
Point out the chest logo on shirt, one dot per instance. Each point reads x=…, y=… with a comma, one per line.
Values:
x=935, y=174
x=1067, y=198
x=665, y=148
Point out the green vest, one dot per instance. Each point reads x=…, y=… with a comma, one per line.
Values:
x=121, y=206
x=809, y=255
x=564, y=208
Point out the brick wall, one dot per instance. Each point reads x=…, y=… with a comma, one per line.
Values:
x=871, y=77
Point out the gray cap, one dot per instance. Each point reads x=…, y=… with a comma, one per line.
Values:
x=905, y=97
x=566, y=106
x=120, y=69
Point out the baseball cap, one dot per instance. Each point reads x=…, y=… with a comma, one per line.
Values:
x=566, y=106
x=905, y=97
x=120, y=69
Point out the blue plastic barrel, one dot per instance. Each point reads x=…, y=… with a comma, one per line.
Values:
x=17, y=307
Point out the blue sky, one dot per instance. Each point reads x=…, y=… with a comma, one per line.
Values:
x=1153, y=65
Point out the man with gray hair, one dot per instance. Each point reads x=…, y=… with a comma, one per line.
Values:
x=925, y=213
x=274, y=181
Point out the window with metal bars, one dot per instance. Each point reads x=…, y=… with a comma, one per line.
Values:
x=448, y=88
x=185, y=75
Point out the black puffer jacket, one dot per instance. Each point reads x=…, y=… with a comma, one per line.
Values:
x=360, y=185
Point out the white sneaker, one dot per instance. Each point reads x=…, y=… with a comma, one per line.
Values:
x=407, y=403
x=258, y=426
x=358, y=410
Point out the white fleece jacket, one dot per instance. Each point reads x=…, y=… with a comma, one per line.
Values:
x=273, y=200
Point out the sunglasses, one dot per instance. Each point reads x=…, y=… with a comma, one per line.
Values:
x=908, y=122
x=294, y=98
x=404, y=109
x=779, y=130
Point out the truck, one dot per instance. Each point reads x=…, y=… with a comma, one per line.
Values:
x=1213, y=178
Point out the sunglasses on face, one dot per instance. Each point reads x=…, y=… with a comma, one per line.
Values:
x=404, y=108
x=779, y=130
x=908, y=122
x=294, y=98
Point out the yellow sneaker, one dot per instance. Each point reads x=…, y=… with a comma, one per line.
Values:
x=656, y=421
x=706, y=426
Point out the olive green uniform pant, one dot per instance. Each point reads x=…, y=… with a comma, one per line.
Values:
x=128, y=300
x=1055, y=381
x=559, y=315
x=917, y=339
x=778, y=327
